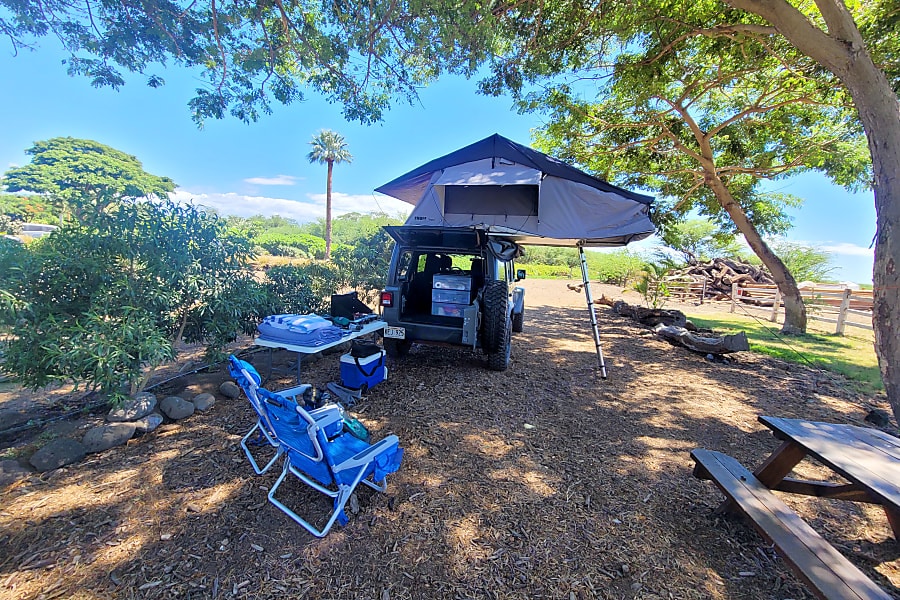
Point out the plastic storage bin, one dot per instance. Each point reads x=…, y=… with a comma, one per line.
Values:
x=358, y=373
x=448, y=309
x=452, y=282
x=455, y=296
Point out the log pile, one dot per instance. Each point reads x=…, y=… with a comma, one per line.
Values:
x=721, y=273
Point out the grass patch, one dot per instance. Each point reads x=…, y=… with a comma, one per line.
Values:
x=852, y=357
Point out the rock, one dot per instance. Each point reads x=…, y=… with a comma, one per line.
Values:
x=230, y=390
x=176, y=407
x=98, y=439
x=10, y=471
x=148, y=423
x=203, y=402
x=56, y=454
x=878, y=418
x=139, y=405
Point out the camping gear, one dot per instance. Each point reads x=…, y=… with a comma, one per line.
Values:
x=363, y=372
x=333, y=466
x=248, y=379
x=363, y=349
x=299, y=330
x=525, y=196
x=348, y=306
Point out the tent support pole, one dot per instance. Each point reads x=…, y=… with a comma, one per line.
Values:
x=590, y=304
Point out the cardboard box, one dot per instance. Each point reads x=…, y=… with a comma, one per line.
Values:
x=367, y=371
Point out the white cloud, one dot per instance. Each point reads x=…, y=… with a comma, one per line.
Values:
x=846, y=248
x=277, y=180
x=243, y=205
x=363, y=203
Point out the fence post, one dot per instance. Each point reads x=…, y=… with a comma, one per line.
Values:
x=734, y=295
x=703, y=291
x=776, y=305
x=842, y=314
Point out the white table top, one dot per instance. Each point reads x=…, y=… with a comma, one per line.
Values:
x=366, y=329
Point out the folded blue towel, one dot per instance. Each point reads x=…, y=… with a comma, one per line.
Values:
x=300, y=330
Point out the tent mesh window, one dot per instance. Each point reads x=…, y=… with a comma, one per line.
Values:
x=511, y=200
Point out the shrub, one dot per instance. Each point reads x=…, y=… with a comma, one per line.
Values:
x=279, y=240
x=364, y=266
x=301, y=289
x=617, y=267
x=107, y=300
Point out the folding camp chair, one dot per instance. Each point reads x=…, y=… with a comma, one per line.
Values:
x=249, y=381
x=326, y=458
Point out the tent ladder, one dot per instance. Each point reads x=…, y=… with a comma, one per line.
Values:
x=590, y=304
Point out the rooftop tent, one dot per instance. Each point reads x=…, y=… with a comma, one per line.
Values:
x=507, y=188
x=511, y=190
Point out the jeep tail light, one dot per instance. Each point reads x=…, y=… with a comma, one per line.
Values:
x=387, y=298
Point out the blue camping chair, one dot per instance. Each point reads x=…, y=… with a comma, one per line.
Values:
x=246, y=376
x=325, y=457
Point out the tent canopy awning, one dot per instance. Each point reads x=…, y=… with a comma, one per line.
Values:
x=509, y=189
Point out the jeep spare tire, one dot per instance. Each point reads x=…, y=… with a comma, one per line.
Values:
x=494, y=316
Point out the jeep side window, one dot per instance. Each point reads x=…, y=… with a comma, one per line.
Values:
x=502, y=272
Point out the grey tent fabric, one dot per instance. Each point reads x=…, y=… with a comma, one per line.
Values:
x=510, y=189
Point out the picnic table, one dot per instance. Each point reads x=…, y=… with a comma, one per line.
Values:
x=869, y=461
x=868, y=458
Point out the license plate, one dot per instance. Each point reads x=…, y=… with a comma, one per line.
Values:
x=397, y=333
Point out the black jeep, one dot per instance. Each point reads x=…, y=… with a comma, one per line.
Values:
x=453, y=285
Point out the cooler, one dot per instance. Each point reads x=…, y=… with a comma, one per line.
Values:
x=367, y=371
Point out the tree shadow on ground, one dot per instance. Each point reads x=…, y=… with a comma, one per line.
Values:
x=544, y=480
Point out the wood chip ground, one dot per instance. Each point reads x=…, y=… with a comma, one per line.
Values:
x=543, y=481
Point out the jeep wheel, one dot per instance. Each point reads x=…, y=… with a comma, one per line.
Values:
x=518, y=321
x=396, y=348
x=499, y=360
x=495, y=316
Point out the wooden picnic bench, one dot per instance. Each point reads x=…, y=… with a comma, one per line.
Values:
x=868, y=459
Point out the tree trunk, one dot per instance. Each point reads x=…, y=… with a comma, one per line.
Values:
x=328, y=212
x=794, y=309
x=842, y=51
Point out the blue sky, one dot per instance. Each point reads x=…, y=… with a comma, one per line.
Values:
x=262, y=167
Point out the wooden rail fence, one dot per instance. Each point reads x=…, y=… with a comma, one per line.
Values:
x=827, y=303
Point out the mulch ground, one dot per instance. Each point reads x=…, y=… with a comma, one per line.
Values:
x=544, y=481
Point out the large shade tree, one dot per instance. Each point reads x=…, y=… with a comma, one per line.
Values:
x=362, y=54
x=703, y=123
x=329, y=148
x=84, y=176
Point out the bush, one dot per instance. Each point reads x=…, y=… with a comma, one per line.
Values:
x=617, y=267
x=365, y=265
x=287, y=241
x=108, y=299
x=301, y=289
x=543, y=271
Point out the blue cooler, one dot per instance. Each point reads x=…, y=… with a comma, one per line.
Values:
x=357, y=373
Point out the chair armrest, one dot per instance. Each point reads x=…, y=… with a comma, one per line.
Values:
x=324, y=417
x=293, y=392
x=369, y=454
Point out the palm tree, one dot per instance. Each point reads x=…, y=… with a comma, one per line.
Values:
x=329, y=147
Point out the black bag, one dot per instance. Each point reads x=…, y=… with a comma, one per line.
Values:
x=348, y=306
x=360, y=349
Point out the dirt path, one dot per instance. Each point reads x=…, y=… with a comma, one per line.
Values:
x=542, y=481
